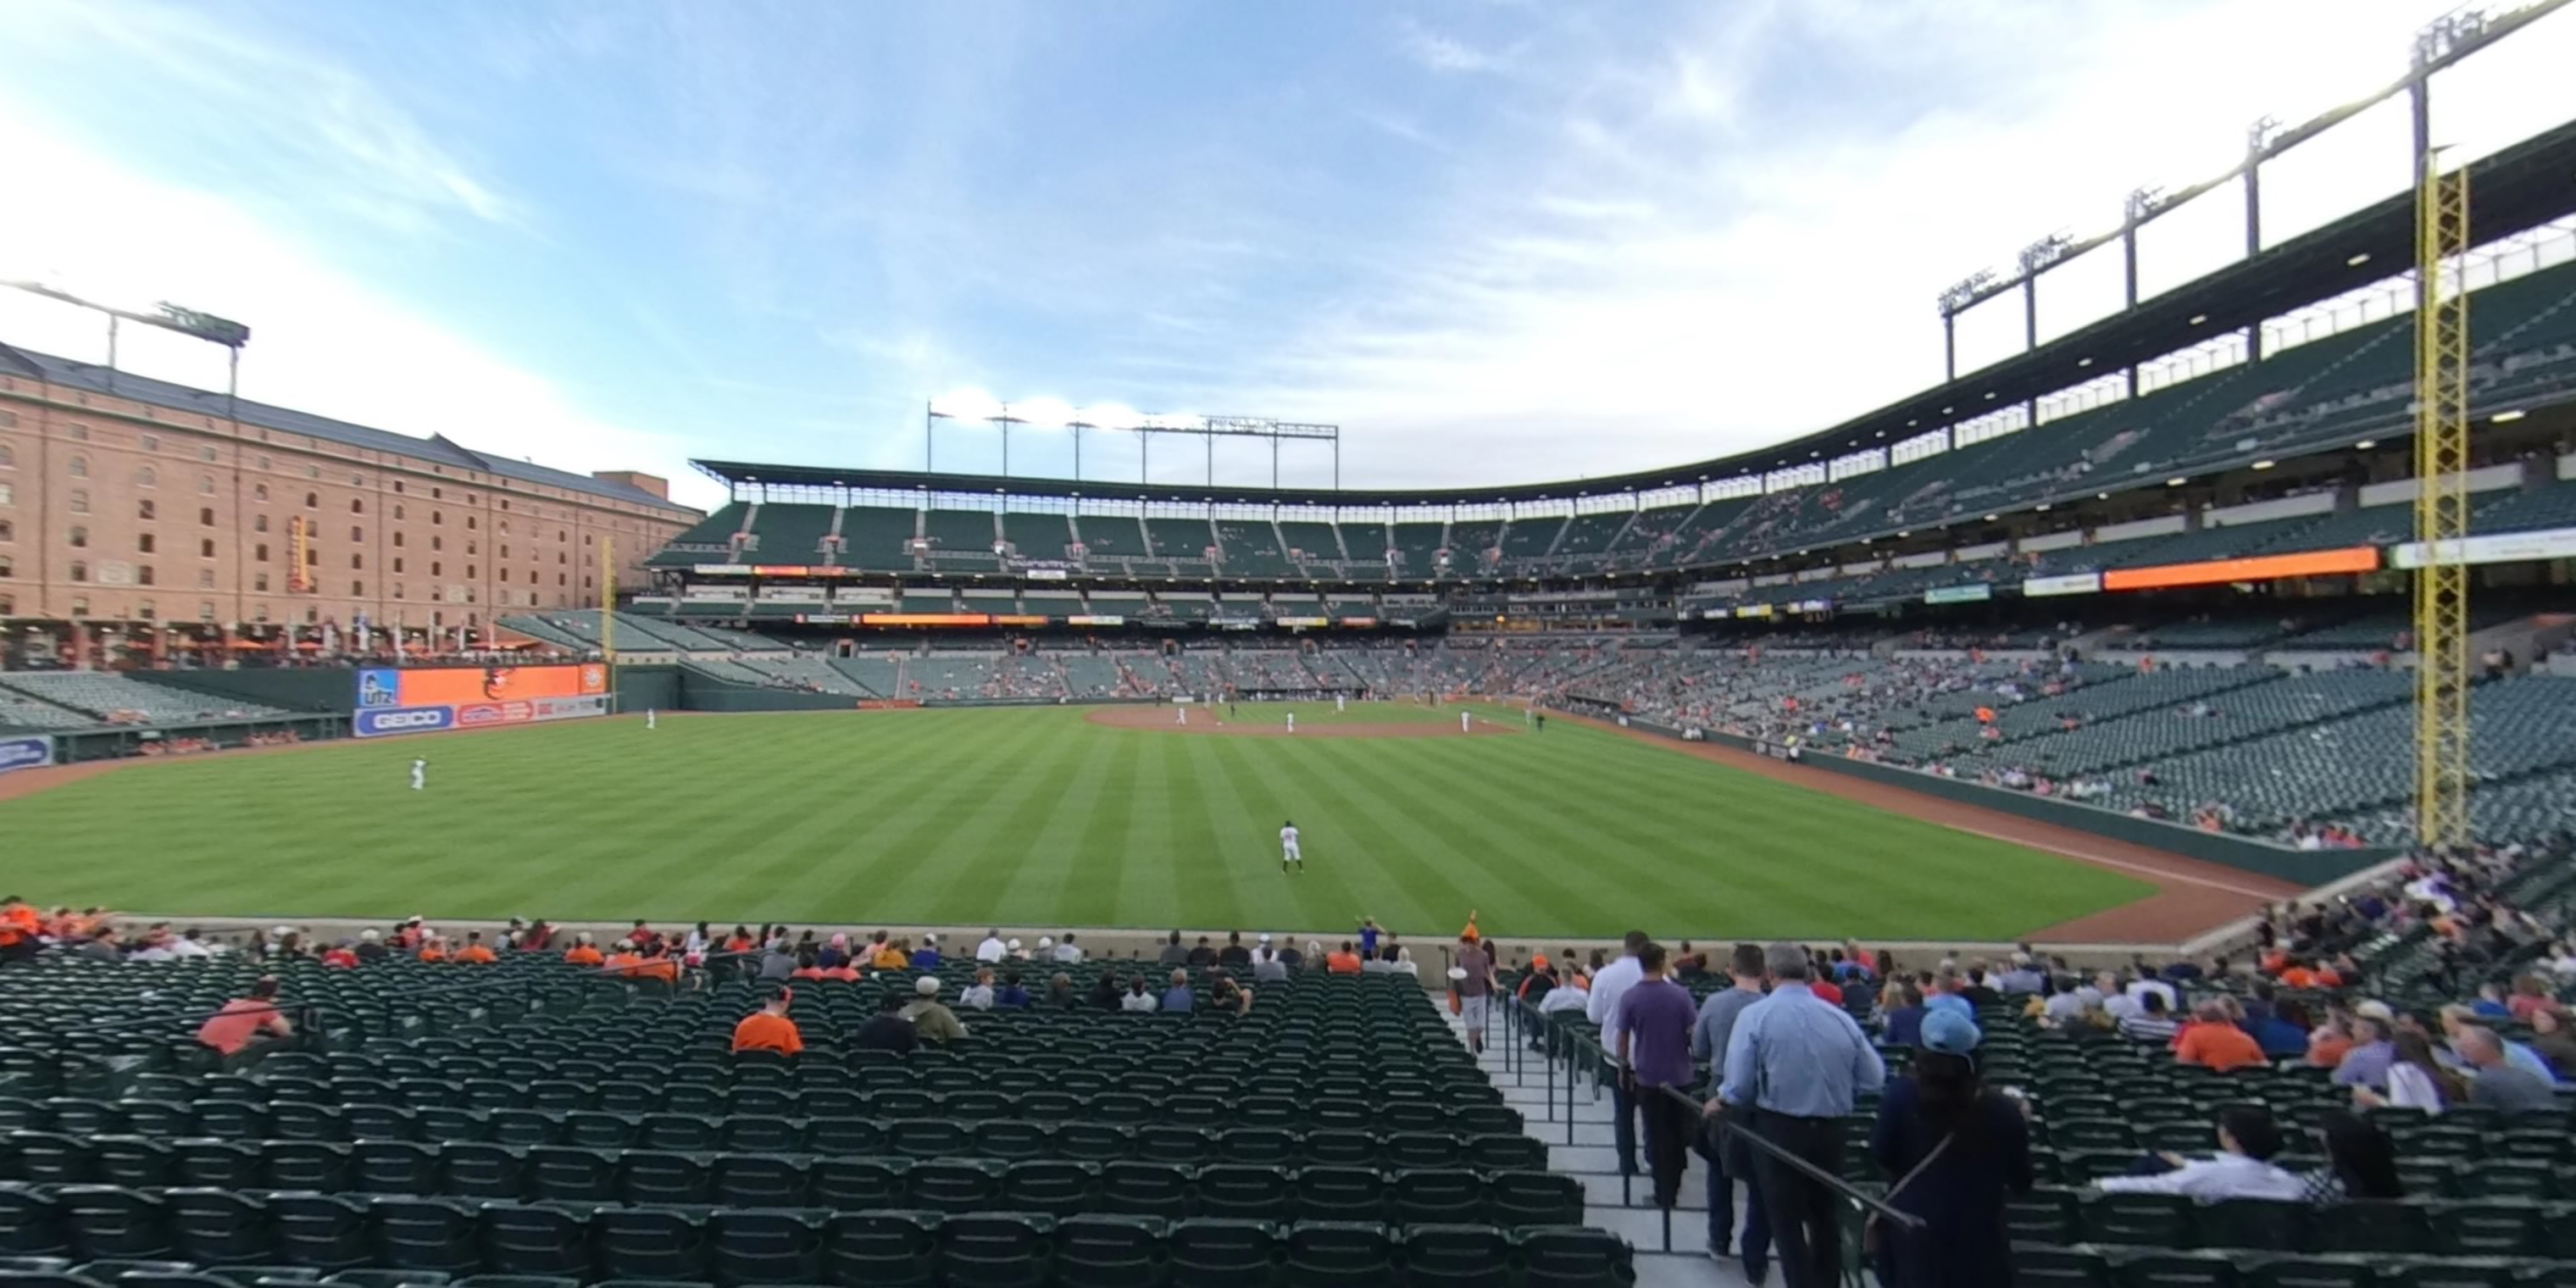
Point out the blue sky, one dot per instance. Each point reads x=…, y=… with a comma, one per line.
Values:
x=1495, y=241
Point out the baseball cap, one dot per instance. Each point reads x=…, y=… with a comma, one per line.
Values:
x=927, y=985
x=2377, y=1010
x=1949, y=1032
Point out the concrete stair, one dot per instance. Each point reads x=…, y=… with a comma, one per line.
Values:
x=1579, y=1145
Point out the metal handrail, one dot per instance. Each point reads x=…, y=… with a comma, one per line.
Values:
x=1577, y=1044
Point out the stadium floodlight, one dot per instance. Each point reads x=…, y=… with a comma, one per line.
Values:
x=1184, y=422
x=966, y=404
x=1106, y=416
x=1045, y=413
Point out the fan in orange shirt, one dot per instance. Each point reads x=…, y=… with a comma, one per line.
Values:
x=2212, y=1041
x=658, y=964
x=769, y=1029
x=1471, y=934
x=474, y=953
x=433, y=949
x=582, y=953
x=625, y=961
x=1344, y=962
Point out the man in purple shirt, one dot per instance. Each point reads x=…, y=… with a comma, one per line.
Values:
x=1655, y=1020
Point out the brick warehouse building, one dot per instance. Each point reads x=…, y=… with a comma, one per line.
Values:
x=127, y=501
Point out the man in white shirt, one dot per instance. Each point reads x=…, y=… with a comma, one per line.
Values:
x=993, y=949
x=1068, y=952
x=1601, y=1007
x=2248, y=1138
x=1267, y=963
x=2143, y=986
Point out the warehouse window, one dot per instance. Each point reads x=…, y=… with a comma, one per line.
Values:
x=80, y=570
x=145, y=477
x=206, y=549
x=259, y=553
x=8, y=567
x=79, y=501
x=259, y=582
x=80, y=605
x=143, y=510
x=144, y=543
x=144, y=574
x=205, y=485
x=79, y=467
x=79, y=537
x=205, y=579
x=259, y=492
x=150, y=442
x=205, y=517
x=259, y=524
x=205, y=610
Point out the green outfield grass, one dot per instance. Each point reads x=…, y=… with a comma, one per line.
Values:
x=1027, y=816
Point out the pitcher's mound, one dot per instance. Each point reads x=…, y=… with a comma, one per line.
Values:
x=1204, y=720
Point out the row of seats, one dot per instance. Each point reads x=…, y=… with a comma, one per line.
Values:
x=867, y=1247
x=550, y=1173
x=2470, y=1228
x=908, y=1137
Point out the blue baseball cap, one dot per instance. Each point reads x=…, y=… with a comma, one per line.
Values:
x=1949, y=1032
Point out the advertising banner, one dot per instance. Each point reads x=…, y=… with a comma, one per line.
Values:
x=925, y=619
x=1359, y=621
x=1750, y=610
x=1296, y=623
x=2082, y=583
x=2503, y=547
x=26, y=752
x=1096, y=620
x=1043, y=574
x=428, y=699
x=1958, y=594
x=2312, y=563
x=721, y=570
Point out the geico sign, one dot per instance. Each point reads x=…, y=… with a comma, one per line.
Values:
x=407, y=720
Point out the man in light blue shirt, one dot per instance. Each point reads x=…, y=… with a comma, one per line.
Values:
x=1794, y=1067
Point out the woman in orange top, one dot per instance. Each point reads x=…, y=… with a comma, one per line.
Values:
x=658, y=964
x=433, y=949
x=474, y=953
x=624, y=962
x=889, y=956
x=2213, y=1042
x=581, y=953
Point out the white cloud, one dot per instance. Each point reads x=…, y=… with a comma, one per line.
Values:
x=344, y=143
x=1440, y=52
x=322, y=341
x=1722, y=246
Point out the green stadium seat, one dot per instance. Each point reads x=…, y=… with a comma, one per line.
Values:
x=650, y=1243
x=2176, y=1270
x=1573, y=1257
x=1419, y=1196
x=2040, y=1266
x=655, y=1176
x=1054, y=1187
x=537, y=1241
x=882, y=1247
x=1106, y=1251
x=1146, y=1189
x=1355, y=1194
x=956, y=1185
x=1339, y=1252
x=996, y=1250
x=217, y=1227
x=428, y=1234
x=2371, y=1227
x=759, y=1180
x=325, y=1231
x=2488, y=1229
x=1225, y=1253
x=2310, y=1272
x=108, y=1221
x=766, y=1247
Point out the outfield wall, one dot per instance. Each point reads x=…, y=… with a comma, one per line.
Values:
x=2307, y=868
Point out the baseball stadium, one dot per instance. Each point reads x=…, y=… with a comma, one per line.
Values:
x=919, y=877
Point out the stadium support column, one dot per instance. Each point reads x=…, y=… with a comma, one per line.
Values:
x=2442, y=734
x=608, y=599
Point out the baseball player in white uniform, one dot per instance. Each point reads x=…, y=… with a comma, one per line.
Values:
x=1180, y=715
x=1288, y=852
x=1292, y=722
x=1337, y=703
x=1462, y=722
x=419, y=773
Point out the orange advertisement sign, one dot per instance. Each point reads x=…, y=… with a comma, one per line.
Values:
x=924, y=619
x=465, y=685
x=2311, y=563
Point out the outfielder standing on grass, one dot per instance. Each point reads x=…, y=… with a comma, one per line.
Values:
x=1288, y=851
